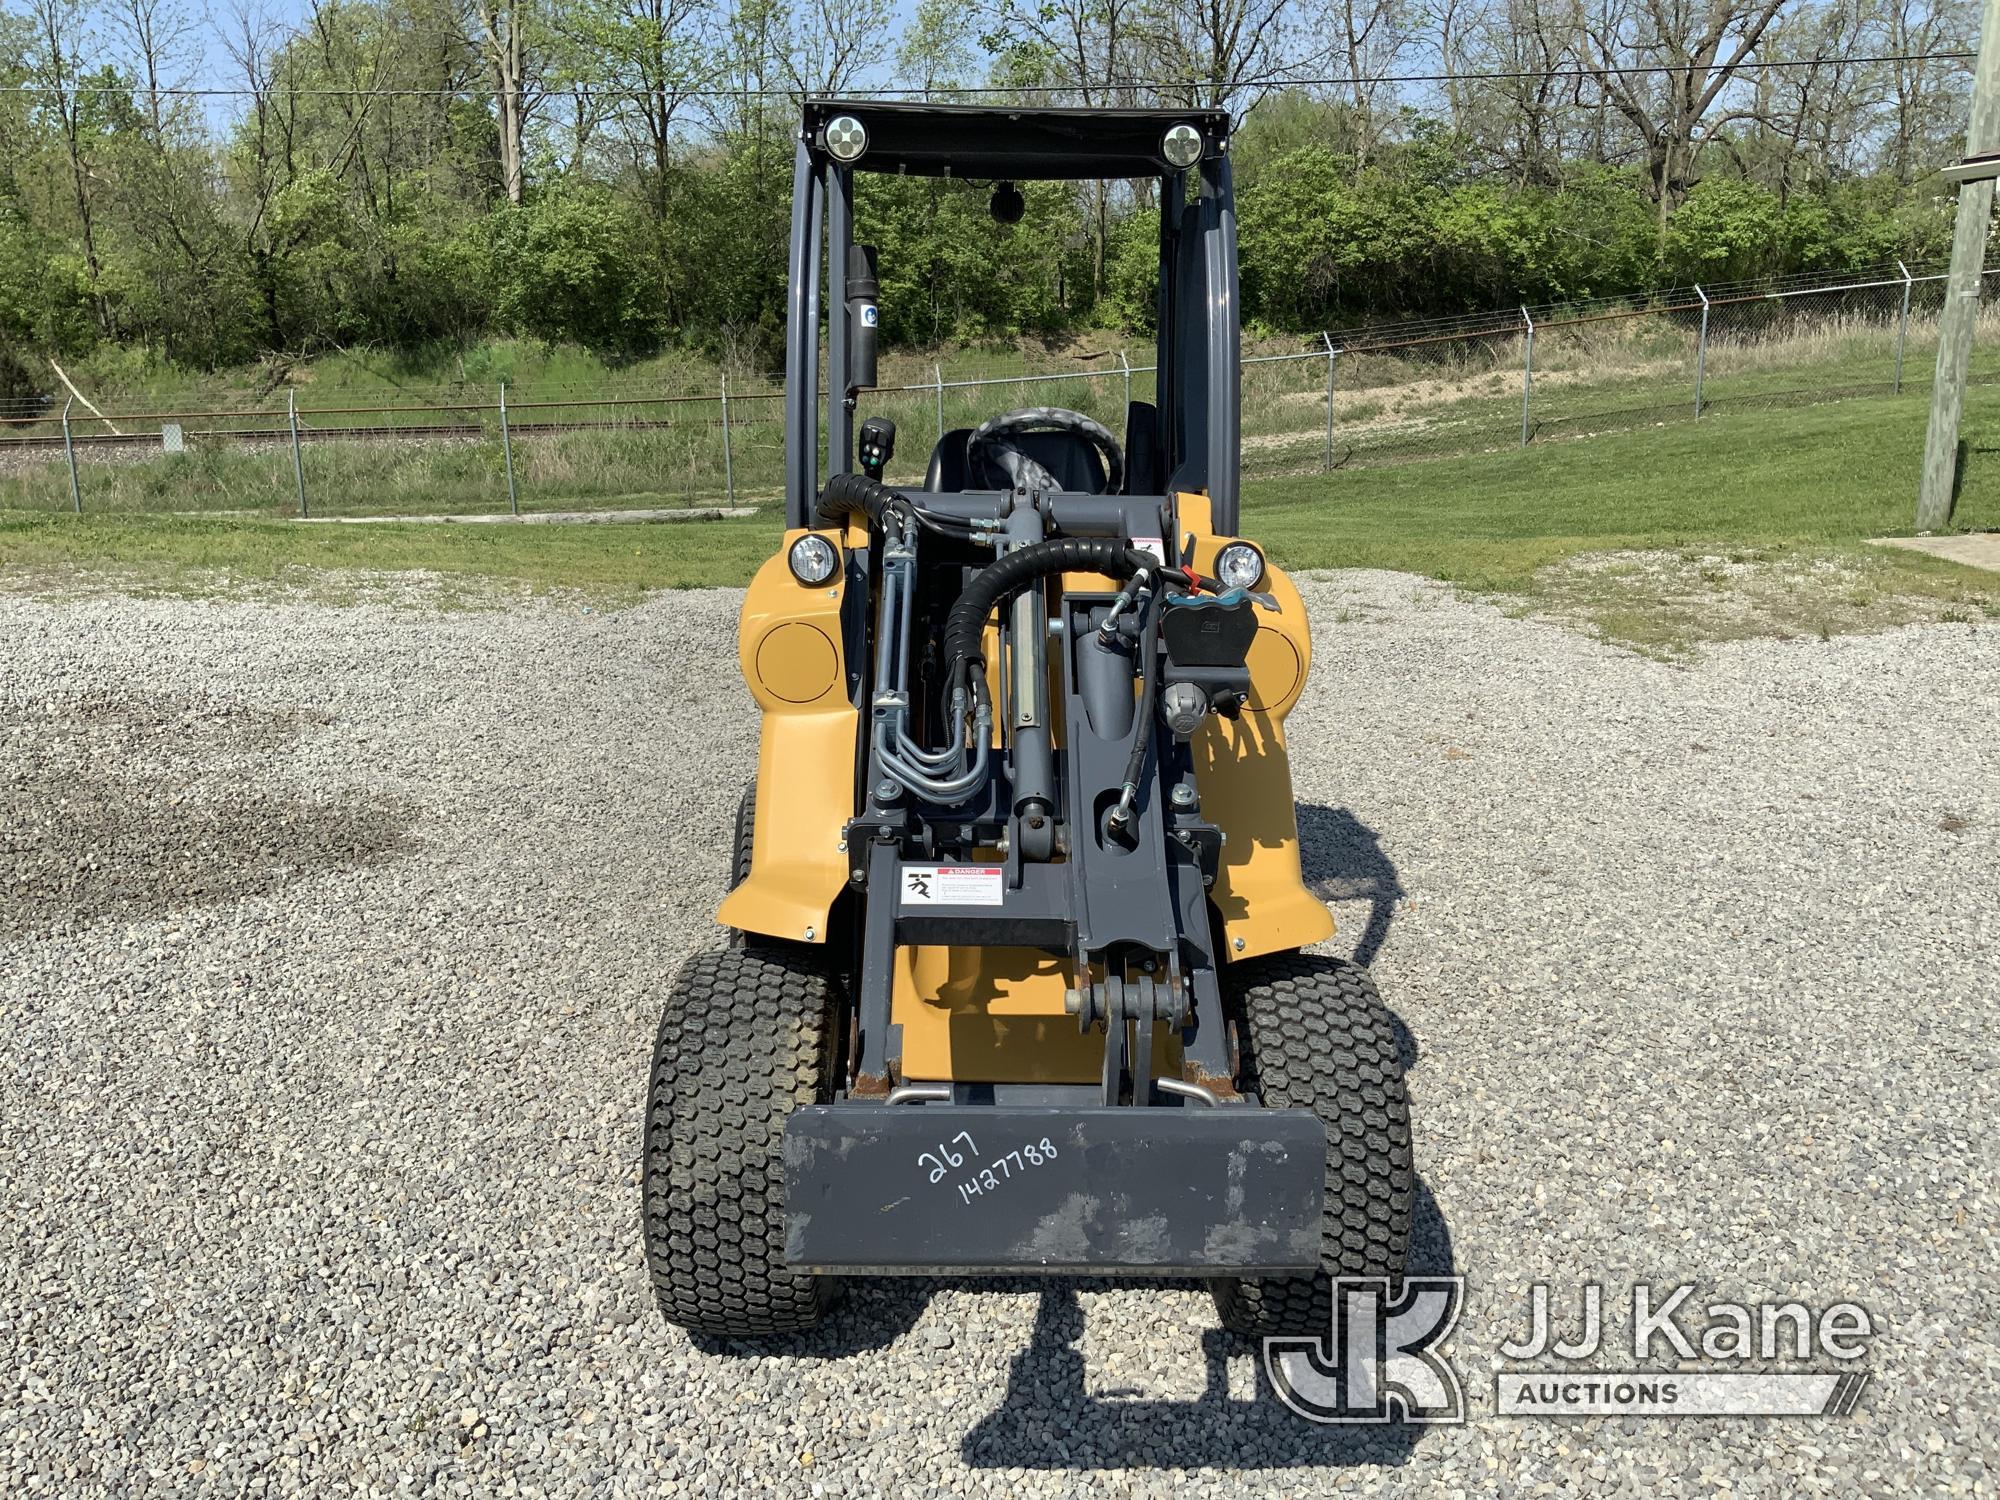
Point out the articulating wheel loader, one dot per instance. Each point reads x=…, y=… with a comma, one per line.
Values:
x=1015, y=983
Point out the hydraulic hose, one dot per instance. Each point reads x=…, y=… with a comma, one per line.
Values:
x=1142, y=724
x=856, y=495
x=997, y=582
x=943, y=774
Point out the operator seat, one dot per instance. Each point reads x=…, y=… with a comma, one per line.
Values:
x=1070, y=456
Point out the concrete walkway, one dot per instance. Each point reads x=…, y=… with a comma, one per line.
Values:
x=1976, y=549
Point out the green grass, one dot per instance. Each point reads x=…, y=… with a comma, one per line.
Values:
x=1826, y=475
x=1751, y=523
x=200, y=555
x=577, y=470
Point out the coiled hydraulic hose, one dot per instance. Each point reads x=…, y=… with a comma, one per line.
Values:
x=999, y=581
x=856, y=495
x=994, y=585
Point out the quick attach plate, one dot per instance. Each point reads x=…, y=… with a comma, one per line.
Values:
x=915, y=1189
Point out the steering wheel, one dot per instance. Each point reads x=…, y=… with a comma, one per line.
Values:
x=988, y=446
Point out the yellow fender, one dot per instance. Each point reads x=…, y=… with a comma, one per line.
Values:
x=794, y=661
x=1244, y=773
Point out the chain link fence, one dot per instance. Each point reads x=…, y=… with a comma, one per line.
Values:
x=1382, y=394
x=1458, y=386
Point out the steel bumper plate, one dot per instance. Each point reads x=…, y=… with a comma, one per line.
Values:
x=1007, y=1188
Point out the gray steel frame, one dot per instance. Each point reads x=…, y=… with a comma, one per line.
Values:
x=1127, y=905
x=1145, y=900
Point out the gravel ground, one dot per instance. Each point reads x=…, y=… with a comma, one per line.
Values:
x=330, y=954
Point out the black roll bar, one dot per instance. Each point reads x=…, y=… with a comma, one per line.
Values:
x=823, y=200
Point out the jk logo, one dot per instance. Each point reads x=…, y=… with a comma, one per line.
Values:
x=1378, y=1362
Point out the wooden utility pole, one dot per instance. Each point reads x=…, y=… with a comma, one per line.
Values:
x=1962, y=287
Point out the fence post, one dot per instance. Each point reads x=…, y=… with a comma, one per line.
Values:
x=1902, y=327
x=69, y=452
x=728, y=460
x=937, y=371
x=507, y=450
x=1527, y=378
x=1700, y=352
x=298, y=462
x=1126, y=365
x=1327, y=339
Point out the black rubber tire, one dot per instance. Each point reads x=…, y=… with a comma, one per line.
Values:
x=746, y=834
x=748, y=1036
x=739, y=864
x=1313, y=1034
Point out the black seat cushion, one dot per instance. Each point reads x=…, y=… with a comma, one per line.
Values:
x=1070, y=456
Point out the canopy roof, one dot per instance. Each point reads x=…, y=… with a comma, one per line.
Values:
x=1011, y=141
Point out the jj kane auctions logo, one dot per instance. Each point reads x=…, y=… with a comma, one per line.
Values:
x=1382, y=1357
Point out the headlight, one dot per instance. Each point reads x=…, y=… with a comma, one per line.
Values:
x=1181, y=146
x=846, y=138
x=1239, y=566
x=813, y=559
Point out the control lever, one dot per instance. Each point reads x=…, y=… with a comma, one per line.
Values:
x=876, y=443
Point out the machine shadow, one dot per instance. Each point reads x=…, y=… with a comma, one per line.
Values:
x=1047, y=1419
x=1342, y=860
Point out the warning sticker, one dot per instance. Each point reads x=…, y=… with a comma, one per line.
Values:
x=1153, y=544
x=951, y=885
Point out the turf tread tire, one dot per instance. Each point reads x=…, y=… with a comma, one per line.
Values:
x=746, y=835
x=1313, y=1034
x=743, y=849
x=746, y=1037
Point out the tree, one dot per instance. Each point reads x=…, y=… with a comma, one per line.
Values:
x=1370, y=36
x=499, y=30
x=373, y=186
x=1928, y=121
x=572, y=266
x=1081, y=51
x=936, y=50
x=1810, y=121
x=648, y=58
x=1527, y=120
x=1227, y=51
x=832, y=41
x=56, y=65
x=1691, y=50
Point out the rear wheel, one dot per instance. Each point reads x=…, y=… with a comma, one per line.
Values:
x=748, y=1036
x=1313, y=1034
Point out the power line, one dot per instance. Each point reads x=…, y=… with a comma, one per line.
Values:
x=890, y=92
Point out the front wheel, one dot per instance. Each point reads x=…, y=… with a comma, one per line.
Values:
x=1313, y=1034
x=747, y=1036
